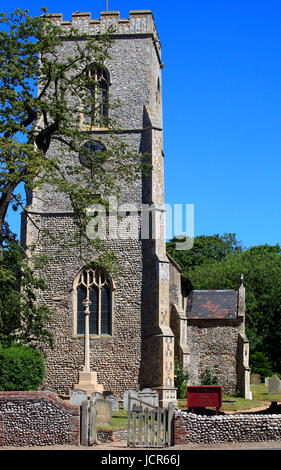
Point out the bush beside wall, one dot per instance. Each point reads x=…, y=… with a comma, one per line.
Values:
x=21, y=368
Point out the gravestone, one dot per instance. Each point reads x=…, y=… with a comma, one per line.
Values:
x=133, y=394
x=256, y=379
x=266, y=381
x=149, y=397
x=104, y=411
x=77, y=397
x=96, y=395
x=113, y=400
x=93, y=421
x=274, y=385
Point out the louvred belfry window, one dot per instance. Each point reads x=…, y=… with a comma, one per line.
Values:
x=96, y=287
x=98, y=97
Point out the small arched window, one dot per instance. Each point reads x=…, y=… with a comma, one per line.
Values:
x=97, y=100
x=95, y=286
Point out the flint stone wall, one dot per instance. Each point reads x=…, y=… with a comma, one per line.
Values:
x=117, y=358
x=37, y=419
x=214, y=344
x=111, y=436
x=192, y=428
x=205, y=343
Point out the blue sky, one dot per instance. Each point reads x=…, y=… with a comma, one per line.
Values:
x=222, y=108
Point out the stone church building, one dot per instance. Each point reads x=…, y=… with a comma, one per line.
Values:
x=144, y=318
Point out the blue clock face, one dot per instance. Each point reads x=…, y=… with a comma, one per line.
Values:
x=86, y=157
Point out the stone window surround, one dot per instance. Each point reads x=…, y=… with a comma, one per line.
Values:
x=90, y=147
x=93, y=126
x=74, y=308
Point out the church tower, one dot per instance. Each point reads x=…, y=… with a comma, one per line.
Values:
x=131, y=345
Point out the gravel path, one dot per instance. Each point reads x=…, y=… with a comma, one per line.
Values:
x=122, y=446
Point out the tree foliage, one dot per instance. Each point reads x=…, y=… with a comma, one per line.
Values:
x=181, y=379
x=260, y=364
x=222, y=269
x=208, y=378
x=206, y=249
x=22, y=319
x=43, y=94
x=21, y=368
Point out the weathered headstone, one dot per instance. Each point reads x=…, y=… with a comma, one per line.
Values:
x=133, y=394
x=113, y=400
x=256, y=379
x=149, y=397
x=77, y=397
x=274, y=385
x=96, y=395
x=84, y=423
x=93, y=421
x=104, y=412
x=266, y=381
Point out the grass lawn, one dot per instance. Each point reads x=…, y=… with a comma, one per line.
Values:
x=260, y=398
x=119, y=421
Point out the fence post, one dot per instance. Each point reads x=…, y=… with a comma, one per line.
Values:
x=159, y=415
x=171, y=410
x=152, y=429
x=93, y=422
x=129, y=420
x=84, y=423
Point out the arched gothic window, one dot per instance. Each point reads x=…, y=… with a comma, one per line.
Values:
x=94, y=286
x=97, y=103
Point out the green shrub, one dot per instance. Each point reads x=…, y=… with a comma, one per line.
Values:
x=208, y=378
x=21, y=368
x=181, y=379
x=260, y=364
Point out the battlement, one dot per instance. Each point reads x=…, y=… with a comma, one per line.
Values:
x=139, y=22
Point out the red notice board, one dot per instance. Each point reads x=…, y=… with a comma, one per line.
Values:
x=200, y=396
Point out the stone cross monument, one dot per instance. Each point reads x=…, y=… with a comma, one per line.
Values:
x=87, y=378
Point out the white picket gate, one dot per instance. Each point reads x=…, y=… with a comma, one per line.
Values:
x=149, y=426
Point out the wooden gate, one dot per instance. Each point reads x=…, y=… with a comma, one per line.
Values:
x=149, y=426
x=88, y=426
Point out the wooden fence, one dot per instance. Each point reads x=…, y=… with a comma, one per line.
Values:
x=149, y=426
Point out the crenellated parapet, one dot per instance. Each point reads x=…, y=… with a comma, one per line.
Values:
x=139, y=22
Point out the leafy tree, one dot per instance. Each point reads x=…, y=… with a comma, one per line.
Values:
x=22, y=319
x=42, y=96
x=261, y=266
x=206, y=249
x=31, y=120
x=260, y=364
